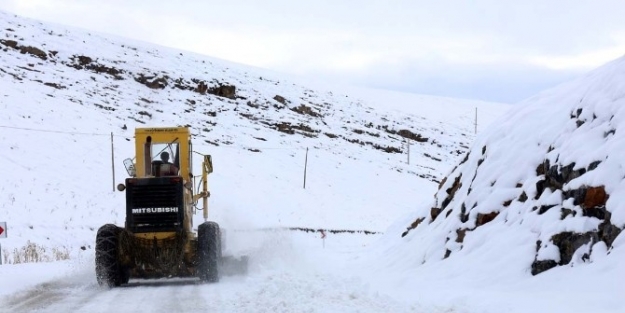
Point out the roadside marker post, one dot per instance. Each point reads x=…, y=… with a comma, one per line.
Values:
x=3, y=234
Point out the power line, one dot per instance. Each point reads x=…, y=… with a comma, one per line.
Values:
x=60, y=131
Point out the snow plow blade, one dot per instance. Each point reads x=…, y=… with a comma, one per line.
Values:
x=234, y=265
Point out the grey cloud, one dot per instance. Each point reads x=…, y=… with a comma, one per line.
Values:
x=509, y=84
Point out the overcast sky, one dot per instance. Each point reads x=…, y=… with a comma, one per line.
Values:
x=495, y=50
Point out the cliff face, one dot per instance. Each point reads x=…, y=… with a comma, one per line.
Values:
x=551, y=172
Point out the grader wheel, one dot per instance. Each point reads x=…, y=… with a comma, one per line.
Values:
x=209, y=252
x=107, y=268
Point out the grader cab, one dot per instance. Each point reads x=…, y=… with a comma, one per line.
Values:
x=158, y=239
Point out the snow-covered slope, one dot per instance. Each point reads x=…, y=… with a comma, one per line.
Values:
x=63, y=92
x=540, y=193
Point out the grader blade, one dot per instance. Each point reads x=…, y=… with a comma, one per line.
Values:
x=234, y=265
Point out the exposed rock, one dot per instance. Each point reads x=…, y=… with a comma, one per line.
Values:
x=290, y=129
x=460, y=234
x=553, y=178
x=540, y=187
x=222, y=90
x=387, y=149
x=451, y=191
x=485, y=218
x=34, y=51
x=593, y=165
x=410, y=135
x=305, y=110
x=565, y=213
x=569, y=174
x=107, y=108
x=578, y=195
x=464, y=215
x=81, y=62
x=569, y=242
x=249, y=116
x=595, y=197
x=84, y=60
x=280, y=99
x=596, y=212
x=545, y=208
x=144, y=113
x=10, y=43
x=440, y=185
x=55, y=85
x=152, y=82
x=523, y=197
x=541, y=266
x=434, y=212
x=413, y=226
x=540, y=169
x=608, y=232
x=201, y=88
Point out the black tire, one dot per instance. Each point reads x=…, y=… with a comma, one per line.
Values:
x=125, y=275
x=107, y=268
x=209, y=252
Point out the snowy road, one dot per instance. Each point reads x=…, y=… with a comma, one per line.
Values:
x=280, y=293
x=283, y=277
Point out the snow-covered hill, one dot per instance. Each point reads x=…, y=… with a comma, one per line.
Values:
x=539, y=193
x=63, y=91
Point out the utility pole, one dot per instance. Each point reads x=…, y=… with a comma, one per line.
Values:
x=475, y=120
x=408, y=148
x=305, y=167
x=113, y=161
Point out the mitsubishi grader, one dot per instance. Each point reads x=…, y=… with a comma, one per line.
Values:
x=158, y=239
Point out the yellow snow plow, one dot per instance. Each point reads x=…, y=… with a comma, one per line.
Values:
x=158, y=239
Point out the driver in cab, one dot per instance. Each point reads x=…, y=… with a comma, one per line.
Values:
x=166, y=168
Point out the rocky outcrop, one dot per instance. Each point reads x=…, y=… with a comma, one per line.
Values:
x=153, y=82
x=412, y=136
x=34, y=51
x=280, y=99
x=305, y=110
x=223, y=90
x=81, y=62
x=553, y=182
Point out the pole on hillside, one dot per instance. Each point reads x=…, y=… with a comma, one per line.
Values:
x=476, y=120
x=408, y=144
x=113, y=161
x=305, y=167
